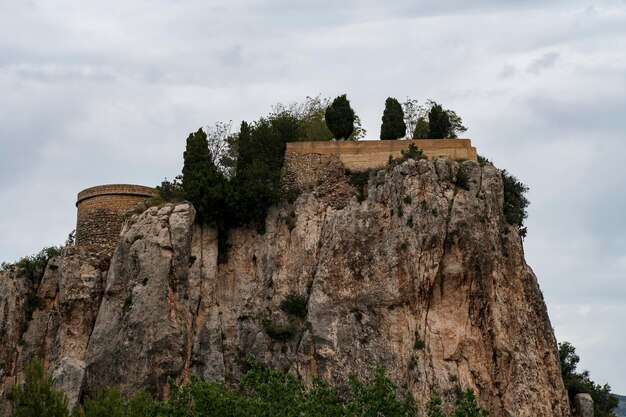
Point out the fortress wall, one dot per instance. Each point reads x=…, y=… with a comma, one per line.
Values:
x=101, y=211
x=360, y=155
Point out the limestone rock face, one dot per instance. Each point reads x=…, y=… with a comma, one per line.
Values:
x=424, y=277
x=59, y=330
x=68, y=377
x=142, y=334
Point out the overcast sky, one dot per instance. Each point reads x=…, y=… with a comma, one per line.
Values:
x=107, y=92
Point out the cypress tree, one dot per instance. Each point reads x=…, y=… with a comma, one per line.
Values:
x=438, y=122
x=393, y=126
x=340, y=117
x=202, y=181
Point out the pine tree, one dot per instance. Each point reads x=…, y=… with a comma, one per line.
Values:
x=340, y=117
x=393, y=126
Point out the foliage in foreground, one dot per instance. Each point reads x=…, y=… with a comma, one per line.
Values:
x=37, y=397
x=262, y=392
x=579, y=382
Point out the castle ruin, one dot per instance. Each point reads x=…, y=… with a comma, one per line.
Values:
x=101, y=211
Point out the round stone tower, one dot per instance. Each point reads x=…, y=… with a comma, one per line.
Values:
x=101, y=211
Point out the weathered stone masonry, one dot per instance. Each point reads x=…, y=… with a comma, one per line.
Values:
x=101, y=211
x=369, y=154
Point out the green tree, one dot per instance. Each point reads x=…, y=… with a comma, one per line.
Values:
x=37, y=397
x=433, y=406
x=377, y=398
x=202, y=182
x=393, y=126
x=456, y=124
x=468, y=407
x=256, y=183
x=339, y=117
x=438, y=122
x=422, y=130
x=108, y=403
x=604, y=401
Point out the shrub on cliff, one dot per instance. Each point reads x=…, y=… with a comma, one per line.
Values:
x=294, y=305
x=515, y=201
x=412, y=152
x=393, y=126
x=340, y=117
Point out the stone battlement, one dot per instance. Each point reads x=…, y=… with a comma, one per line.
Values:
x=367, y=154
x=101, y=211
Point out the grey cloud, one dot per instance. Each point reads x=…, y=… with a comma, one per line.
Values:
x=507, y=71
x=61, y=73
x=542, y=63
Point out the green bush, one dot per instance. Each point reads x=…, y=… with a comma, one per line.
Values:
x=33, y=303
x=462, y=178
x=37, y=397
x=34, y=266
x=277, y=331
x=412, y=152
x=294, y=305
x=359, y=180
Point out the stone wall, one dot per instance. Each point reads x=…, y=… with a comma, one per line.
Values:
x=101, y=211
x=368, y=154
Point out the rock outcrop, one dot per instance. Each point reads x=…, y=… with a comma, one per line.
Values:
x=423, y=277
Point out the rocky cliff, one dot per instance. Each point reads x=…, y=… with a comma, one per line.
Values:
x=422, y=276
